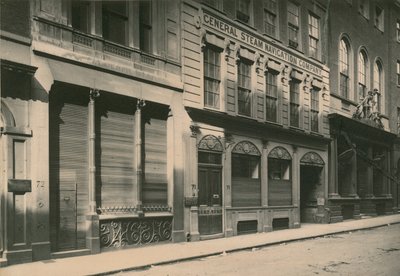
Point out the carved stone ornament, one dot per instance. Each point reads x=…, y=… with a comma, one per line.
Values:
x=194, y=129
x=367, y=110
x=210, y=142
x=140, y=104
x=203, y=41
x=312, y=158
x=197, y=21
x=246, y=147
x=259, y=61
x=124, y=232
x=279, y=153
x=237, y=54
x=93, y=94
x=285, y=74
x=227, y=49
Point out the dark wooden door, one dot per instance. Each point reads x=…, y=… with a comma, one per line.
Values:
x=67, y=229
x=210, y=200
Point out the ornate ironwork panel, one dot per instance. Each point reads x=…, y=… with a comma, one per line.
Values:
x=123, y=232
x=312, y=158
x=246, y=147
x=210, y=142
x=279, y=153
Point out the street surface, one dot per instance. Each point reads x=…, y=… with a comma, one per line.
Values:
x=367, y=252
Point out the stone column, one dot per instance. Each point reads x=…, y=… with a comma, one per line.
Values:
x=369, y=193
x=264, y=174
x=352, y=189
x=138, y=151
x=193, y=180
x=296, y=187
x=333, y=191
x=92, y=219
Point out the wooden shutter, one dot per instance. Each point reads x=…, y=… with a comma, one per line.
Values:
x=69, y=168
x=115, y=149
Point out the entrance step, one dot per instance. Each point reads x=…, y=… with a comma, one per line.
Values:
x=72, y=253
x=3, y=262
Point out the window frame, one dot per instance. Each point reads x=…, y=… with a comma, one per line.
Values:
x=398, y=30
x=241, y=15
x=271, y=87
x=379, y=18
x=146, y=24
x=243, y=87
x=115, y=14
x=294, y=103
x=362, y=74
x=314, y=109
x=314, y=36
x=344, y=68
x=271, y=9
x=363, y=8
x=206, y=77
x=378, y=84
x=80, y=4
x=293, y=28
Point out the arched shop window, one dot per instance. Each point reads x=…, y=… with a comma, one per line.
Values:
x=279, y=177
x=246, y=182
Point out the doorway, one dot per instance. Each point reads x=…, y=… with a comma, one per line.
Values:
x=210, y=193
x=310, y=188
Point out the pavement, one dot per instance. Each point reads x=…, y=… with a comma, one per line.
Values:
x=144, y=257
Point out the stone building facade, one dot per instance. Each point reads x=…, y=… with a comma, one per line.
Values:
x=125, y=123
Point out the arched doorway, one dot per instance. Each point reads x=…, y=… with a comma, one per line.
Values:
x=311, y=188
x=210, y=185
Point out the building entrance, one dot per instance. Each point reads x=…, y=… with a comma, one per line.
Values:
x=310, y=183
x=210, y=193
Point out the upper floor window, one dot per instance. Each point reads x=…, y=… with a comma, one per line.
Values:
x=314, y=109
x=243, y=10
x=271, y=96
x=293, y=24
x=398, y=30
x=362, y=75
x=294, y=103
x=270, y=17
x=398, y=72
x=364, y=8
x=313, y=33
x=344, y=58
x=80, y=11
x=378, y=84
x=115, y=21
x=379, y=18
x=212, y=77
x=217, y=4
x=244, y=88
x=145, y=27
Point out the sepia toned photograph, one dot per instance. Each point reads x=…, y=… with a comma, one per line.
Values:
x=199, y=137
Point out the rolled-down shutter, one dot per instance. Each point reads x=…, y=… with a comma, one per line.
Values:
x=115, y=149
x=68, y=168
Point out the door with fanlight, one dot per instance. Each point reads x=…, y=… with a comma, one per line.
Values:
x=210, y=193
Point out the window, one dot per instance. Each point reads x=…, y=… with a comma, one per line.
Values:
x=314, y=109
x=246, y=180
x=362, y=75
x=278, y=169
x=379, y=18
x=313, y=33
x=115, y=21
x=271, y=96
x=81, y=16
x=294, y=103
x=145, y=28
x=244, y=88
x=217, y=4
x=398, y=72
x=279, y=177
x=344, y=58
x=398, y=121
x=212, y=77
x=364, y=8
x=378, y=81
x=398, y=30
x=293, y=24
x=270, y=17
x=243, y=11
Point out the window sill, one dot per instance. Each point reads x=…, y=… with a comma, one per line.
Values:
x=272, y=38
x=314, y=133
x=248, y=25
x=296, y=129
x=273, y=123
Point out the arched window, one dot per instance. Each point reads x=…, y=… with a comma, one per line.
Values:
x=246, y=181
x=378, y=84
x=279, y=177
x=362, y=74
x=344, y=59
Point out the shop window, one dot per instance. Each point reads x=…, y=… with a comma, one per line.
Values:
x=313, y=35
x=379, y=18
x=294, y=103
x=246, y=182
x=344, y=58
x=270, y=17
x=243, y=10
x=279, y=177
x=81, y=16
x=362, y=75
x=314, y=109
x=145, y=26
x=378, y=84
x=293, y=24
x=212, y=77
x=271, y=96
x=364, y=8
x=115, y=21
x=244, y=88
